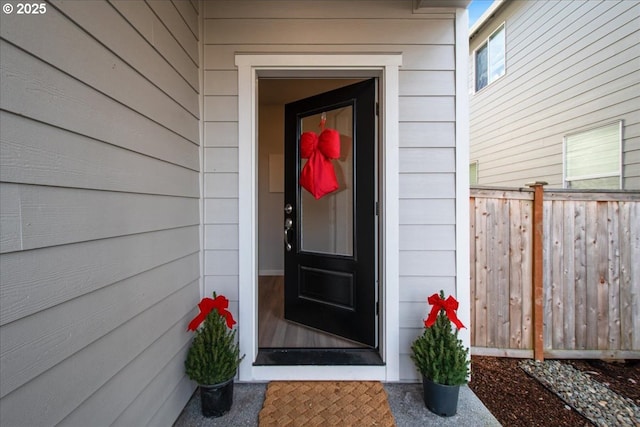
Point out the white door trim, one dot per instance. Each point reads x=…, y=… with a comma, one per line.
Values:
x=250, y=66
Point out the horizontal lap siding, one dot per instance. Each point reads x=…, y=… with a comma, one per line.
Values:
x=99, y=181
x=570, y=66
x=427, y=128
x=28, y=146
x=221, y=176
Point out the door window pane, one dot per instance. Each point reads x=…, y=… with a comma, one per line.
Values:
x=326, y=224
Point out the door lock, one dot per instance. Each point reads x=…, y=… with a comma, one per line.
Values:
x=288, y=208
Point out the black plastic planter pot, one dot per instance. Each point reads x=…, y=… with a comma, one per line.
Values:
x=439, y=398
x=216, y=400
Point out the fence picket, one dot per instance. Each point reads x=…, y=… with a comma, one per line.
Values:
x=580, y=263
x=614, y=275
x=557, y=268
x=602, y=284
x=515, y=275
x=592, y=275
x=481, y=273
x=568, y=276
x=526, y=221
x=502, y=273
x=472, y=269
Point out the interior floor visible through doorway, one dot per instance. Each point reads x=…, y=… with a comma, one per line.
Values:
x=276, y=332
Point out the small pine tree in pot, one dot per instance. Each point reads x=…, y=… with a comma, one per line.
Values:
x=441, y=357
x=214, y=356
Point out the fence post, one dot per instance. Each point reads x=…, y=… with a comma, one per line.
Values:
x=538, y=273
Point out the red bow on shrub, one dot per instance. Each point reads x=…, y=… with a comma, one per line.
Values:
x=450, y=305
x=318, y=176
x=220, y=303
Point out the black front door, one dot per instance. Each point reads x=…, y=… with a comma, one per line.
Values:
x=330, y=239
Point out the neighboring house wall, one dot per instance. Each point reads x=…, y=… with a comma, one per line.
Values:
x=99, y=189
x=427, y=130
x=570, y=66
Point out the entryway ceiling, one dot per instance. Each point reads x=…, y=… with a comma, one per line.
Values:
x=283, y=91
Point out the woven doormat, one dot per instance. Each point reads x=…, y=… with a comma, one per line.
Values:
x=325, y=403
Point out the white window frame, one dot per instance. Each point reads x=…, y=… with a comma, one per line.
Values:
x=566, y=179
x=502, y=27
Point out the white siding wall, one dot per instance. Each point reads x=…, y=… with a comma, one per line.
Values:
x=99, y=188
x=570, y=66
x=427, y=129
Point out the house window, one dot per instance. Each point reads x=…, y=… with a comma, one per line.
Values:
x=593, y=159
x=473, y=173
x=490, y=59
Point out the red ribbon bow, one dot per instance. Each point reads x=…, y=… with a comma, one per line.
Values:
x=318, y=176
x=450, y=305
x=220, y=303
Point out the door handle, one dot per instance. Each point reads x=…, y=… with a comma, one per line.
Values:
x=288, y=223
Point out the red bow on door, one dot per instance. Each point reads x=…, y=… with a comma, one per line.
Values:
x=318, y=176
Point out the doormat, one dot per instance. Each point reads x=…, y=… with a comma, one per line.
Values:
x=325, y=403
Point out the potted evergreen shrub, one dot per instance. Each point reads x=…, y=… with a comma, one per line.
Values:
x=441, y=357
x=214, y=356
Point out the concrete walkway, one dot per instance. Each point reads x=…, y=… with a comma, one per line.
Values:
x=405, y=400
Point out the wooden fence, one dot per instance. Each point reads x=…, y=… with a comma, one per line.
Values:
x=584, y=300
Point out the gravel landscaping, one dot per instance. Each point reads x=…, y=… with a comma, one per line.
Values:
x=559, y=393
